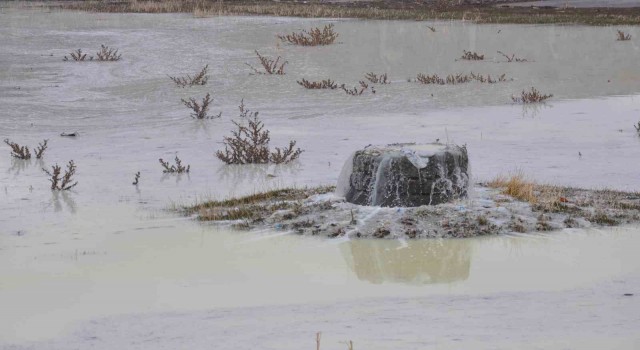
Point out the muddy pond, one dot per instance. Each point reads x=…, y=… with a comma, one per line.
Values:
x=108, y=264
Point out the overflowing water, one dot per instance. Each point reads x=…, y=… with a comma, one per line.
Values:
x=109, y=249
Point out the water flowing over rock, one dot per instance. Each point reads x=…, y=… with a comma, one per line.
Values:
x=405, y=175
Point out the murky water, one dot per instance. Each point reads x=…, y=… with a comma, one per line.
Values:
x=109, y=248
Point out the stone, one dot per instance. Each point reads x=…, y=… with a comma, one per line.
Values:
x=405, y=175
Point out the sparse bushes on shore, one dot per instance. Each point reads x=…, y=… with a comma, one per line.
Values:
x=313, y=37
x=459, y=79
x=105, y=54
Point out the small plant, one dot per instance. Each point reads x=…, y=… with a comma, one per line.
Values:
x=65, y=182
x=200, y=109
x=637, y=127
x=372, y=77
x=107, y=54
x=622, y=36
x=512, y=57
x=77, y=56
x=198, y=79
x=22, y=152
x=324, y=84
x=168, y=168
x=136, y=179
x=270, y=66
x=432, y=29
x=249, y=144
x=532, y=96
x=355, y=92
x=313, y=37
x=471, y=56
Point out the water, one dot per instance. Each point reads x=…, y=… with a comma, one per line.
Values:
x=106, y=260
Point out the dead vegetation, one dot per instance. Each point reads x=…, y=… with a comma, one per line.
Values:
x=178, y=168
x=471, y=56
x=459, y=79
x=313, y=37
x=199, y=78
x=108, y=54
x=22, y=152
x=136, y=179
x=269, y=65
x=637, y=127
x=200, y=109
x=249, y=144
x=64, y=182
x=324, y=84
x=533, y=96
x=544, y=198
x=377, y=79
x=78, y=56
x=622, y=36
x=512, y=57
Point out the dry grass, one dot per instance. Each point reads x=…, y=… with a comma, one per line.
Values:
x=545, y=198
x=77, y=56
x=313, y=37
x=622, y=36
x=108, y=54
x=324, y=84
x=22, y=152
x=378, y=10
x=377, y=79
x=459, y=79
x=200, y=109
x=512, y=57
x=533, y=96
x=199, y=78
x=178, y=168
x=249, y=144
x=64, y=182
x=269, y=65
x=471, y=56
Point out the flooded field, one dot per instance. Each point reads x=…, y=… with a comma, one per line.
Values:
x=106, y=265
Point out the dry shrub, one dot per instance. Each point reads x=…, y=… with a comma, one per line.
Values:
x=543, y=197
x=168, y=168
x=66, y=181
x=532, y=96
x=200, y=78
x=249, y=144
x=200, y=109
x=78, y=56
x=22, y=152
x=512, y=57
x=313, y=37
x=357, y=91
x=637, y=127
x=622, y=36
x=471, y=56
x=324, y=84
x=270, y=66
x=107, y=54
x=381, y=79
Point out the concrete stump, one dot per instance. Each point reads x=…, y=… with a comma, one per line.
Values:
x=405, y=175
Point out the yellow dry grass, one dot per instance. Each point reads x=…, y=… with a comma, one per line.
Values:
x=521, y=187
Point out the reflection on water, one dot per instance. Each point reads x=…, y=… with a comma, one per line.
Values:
x=414, y=262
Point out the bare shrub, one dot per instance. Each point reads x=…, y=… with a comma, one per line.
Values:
x=512, y=57
x=200, y=109
x=532, y=96
x=356, y=91
x=432, y=29
x=471, y=56
x=65, y=182
x=381, y=79
x=169, y=168
x=200, y=78
x=270, y=66
x=78, y=56
x=22, y=152
x=324, y=84
x=107, y=54
x=313, y=37
x=637, y=127
x=459, y=79
x=622, y=36
x=249, y=144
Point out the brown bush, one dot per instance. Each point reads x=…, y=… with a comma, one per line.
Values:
x=107, y=54
x=22, y=152
x=270, y=66
x=324, y=84
x=168, y=168
x=313, y=37
x=200, y=109
x=532, y=96
x=200, y=78
x=65, y=182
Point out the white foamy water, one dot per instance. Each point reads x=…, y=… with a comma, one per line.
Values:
x=104, y=266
